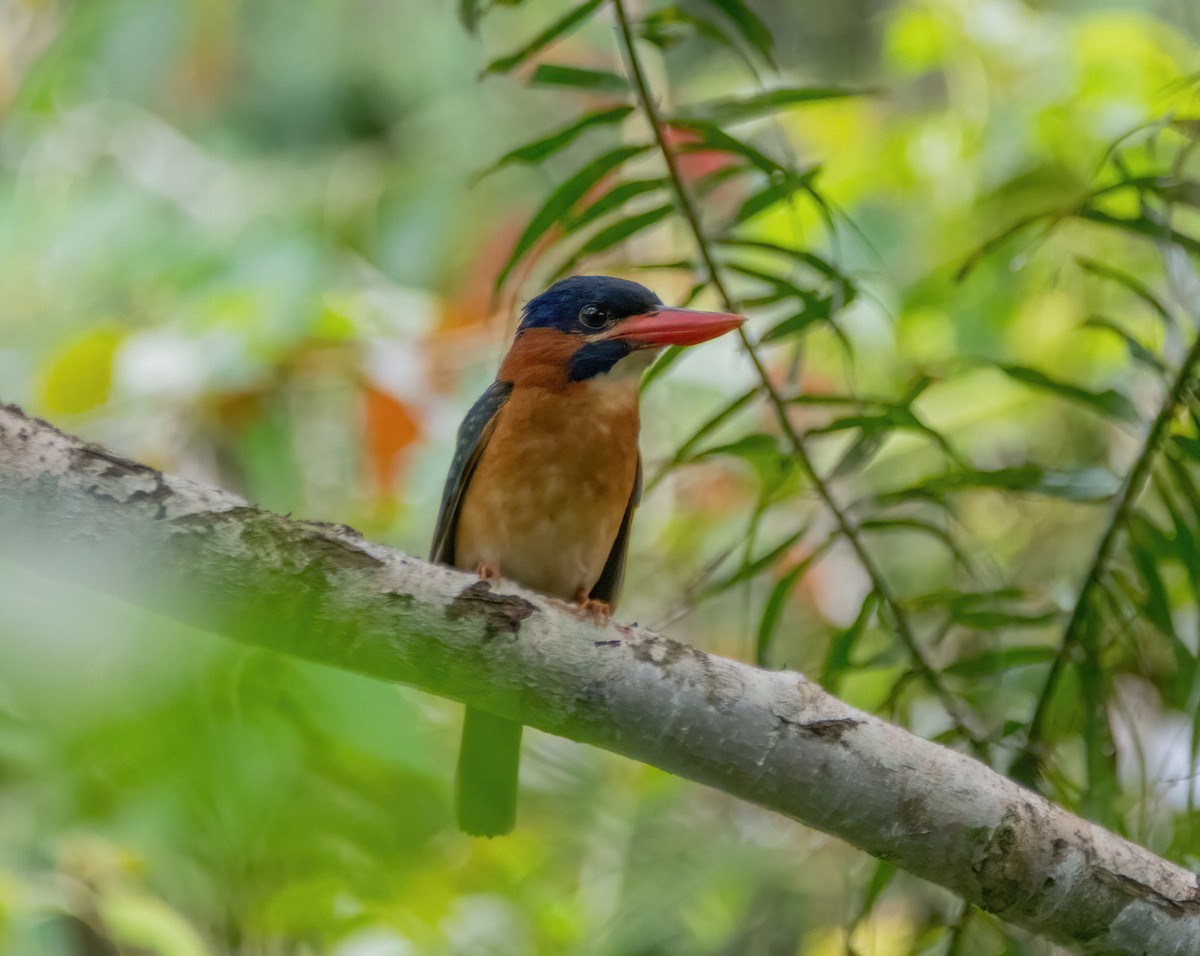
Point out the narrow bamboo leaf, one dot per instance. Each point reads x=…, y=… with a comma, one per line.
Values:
x=665, y=360
x=894, y=417
x=752, y=569
x=918, y=525
x=989, y=610
x=670, y=25
x=1183, y=478
x=998, y=661
x=712, y=136
x=600, y=81
x=990, y=619
x=1086, y=485
x=865, y=447
x=775, y=192
x=616, y=197
x=778, y=599
x=836, y=401
x=880, y=879
x=726, y=412
x=815, y=306
x=1171, y=190
x=761, y=452
x=748, y=23
x=795, y=324
x=708, y=183
x=468, y=14
x=547, y=146
x=1143, y=226
x=1126, y=281
x=563, y=199
x=1149, y=545
x=1137, y=352
x=838, y=658
x=1187, y=533
x=748, y=446
x=623, y=229
x=562, y=26
x=800, y=255
x=738, y=109
x=1110, y=403
x=1190, y=447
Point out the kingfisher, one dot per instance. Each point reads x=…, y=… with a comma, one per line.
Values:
x=545, y=478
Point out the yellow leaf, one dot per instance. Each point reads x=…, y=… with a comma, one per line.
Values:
x=79, y=376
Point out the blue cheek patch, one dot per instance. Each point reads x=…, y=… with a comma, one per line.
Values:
x=596, y=358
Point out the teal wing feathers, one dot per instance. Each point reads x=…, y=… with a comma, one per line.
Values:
x=473, y=435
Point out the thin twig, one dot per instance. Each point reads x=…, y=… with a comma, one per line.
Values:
x=845, y=524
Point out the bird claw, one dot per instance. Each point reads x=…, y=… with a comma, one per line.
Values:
x=599, y=612
x=487, y=573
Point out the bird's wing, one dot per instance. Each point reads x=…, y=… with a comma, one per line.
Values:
x=473, y=435
x=608, y=587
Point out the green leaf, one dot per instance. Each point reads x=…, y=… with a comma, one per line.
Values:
x=1187, y=535
x=1110, y=403
x=565, y=24
x=623, y=229
x=563, y=199
x=760, y=451
x=1085, y=485
x=1148, y=545
x=665, y=360
x=751, y=569
x=668, y=26
x=748, y=23
x=772, y=194
x=600, y=81
x=540, y=149
x=1126, y=281
x=816, y=307
x=1137, y=352
x=1142, y=226
x=1003, y=659
x=880, y=879
x=1172, y=190
x=914, y=524
x=841, y=647
x=817, y=311
x=616, y=197
x=726, y=412
x=713, y=137
x=779, y=594
x=988, y=610
x=748, y=446
x=738, y=109
x=468, y=14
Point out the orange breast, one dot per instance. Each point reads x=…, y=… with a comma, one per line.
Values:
x=547, y=498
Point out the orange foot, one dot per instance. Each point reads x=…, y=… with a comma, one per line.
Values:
x=599, y=611
x=487, y=573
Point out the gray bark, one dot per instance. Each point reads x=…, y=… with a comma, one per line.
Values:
x=774, y=738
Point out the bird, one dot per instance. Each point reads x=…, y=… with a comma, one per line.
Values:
x=545, y=477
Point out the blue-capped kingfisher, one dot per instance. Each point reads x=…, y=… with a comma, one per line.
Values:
x=546, y=476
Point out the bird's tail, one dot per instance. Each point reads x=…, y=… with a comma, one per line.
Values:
x=488, y=761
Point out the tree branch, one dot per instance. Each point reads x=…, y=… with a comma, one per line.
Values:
x=73, y=510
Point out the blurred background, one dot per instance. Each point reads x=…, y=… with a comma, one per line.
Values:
x=249, y=242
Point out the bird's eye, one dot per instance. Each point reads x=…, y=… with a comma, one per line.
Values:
x=591, y=317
